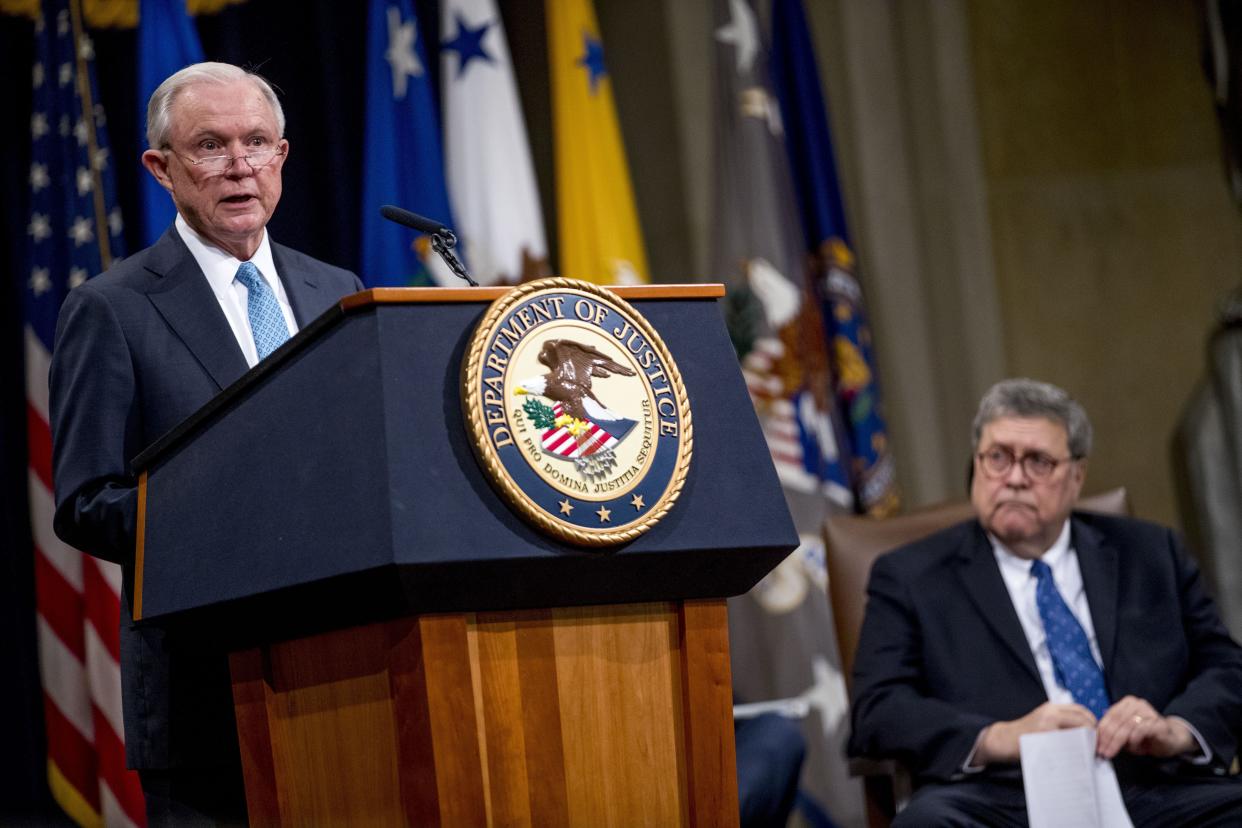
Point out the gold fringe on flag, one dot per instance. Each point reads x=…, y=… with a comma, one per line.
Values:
x=112, y=14
x=22, y=8
x=197, y=7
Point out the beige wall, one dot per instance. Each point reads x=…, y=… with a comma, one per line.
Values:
x=1113, y=234
x=904, y=117
x=1033, y=188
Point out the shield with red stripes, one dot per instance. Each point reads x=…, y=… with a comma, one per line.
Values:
x=581, y=438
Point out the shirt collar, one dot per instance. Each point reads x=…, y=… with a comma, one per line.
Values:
x=220, y=267
x=1055, y=554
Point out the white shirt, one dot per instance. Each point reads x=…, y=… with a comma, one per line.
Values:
x=220, y=268
x=1063, y=561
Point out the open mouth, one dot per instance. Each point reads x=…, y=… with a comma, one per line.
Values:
x=238, y=199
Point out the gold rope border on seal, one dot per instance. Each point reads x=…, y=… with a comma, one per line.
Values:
x=472, y=368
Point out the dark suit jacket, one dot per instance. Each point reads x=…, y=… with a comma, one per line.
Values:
x=942, y=653
x=138, y=349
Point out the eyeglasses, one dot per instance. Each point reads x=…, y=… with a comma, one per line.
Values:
x=998, y=460
x=219, y=163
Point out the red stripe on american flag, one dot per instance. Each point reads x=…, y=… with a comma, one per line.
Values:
x=67, y=660
x=68, y=749
x=124, y=783
x=39, y=441
x=60, y=606
x=103, y=610
x=557, y=440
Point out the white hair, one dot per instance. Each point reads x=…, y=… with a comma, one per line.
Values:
x=159, y=108
x=1024, y=397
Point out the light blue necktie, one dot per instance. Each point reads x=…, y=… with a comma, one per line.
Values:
x=267, y=323
x=1072, y=662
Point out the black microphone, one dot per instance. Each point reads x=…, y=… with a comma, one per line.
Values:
x=442, y=238
x=414, y=221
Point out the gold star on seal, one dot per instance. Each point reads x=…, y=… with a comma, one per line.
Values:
x=637, y=502
x=566, y=506
x=604, y=514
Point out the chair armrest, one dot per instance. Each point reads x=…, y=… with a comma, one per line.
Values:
x=886, y=786
x=863, y=767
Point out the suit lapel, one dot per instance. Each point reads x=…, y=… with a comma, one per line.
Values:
x=1099, y=563
x=302, y=287
x=986, y=588
x=183, y=297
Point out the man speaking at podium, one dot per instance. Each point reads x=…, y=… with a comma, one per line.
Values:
x=143, y=346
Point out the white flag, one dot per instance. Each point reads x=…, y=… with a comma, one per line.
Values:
x=491, y=180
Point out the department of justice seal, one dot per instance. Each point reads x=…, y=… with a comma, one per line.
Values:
x=576, y=411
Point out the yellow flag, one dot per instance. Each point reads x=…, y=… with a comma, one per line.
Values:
x=600, y=239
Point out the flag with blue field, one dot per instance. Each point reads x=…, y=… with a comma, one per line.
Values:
x=402, y=159
x=808, y=139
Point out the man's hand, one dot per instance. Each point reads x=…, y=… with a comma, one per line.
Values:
x=1133, y=725
x=1000, y=740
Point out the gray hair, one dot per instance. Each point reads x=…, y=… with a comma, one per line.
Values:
x=1032, y=398
x=159, y=108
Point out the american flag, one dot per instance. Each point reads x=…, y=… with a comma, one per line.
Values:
x=74, y=232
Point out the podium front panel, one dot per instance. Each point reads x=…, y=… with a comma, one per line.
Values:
x=339, y=480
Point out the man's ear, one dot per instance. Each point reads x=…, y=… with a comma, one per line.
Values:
x=1079, y=470
x=157, y=164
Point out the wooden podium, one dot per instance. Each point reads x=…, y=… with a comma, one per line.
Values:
x=405, y=649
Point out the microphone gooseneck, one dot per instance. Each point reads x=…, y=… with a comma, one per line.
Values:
x=443, y=240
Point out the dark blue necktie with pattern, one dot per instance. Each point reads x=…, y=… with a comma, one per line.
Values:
x=1072, y=662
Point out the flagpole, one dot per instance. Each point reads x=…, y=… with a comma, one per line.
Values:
x=88, y=118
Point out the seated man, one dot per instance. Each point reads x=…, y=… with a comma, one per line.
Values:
x=954, y=663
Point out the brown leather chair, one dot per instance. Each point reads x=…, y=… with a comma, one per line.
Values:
x=852, y=544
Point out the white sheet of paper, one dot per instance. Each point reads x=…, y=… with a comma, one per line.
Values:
x=1067, y=786
x=1113, y=813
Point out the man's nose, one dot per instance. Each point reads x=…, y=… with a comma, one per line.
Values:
x=239, y=167
x=1016, y=476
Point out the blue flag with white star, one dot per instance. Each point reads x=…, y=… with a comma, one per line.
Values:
x=167, y=42
x=402, y=159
